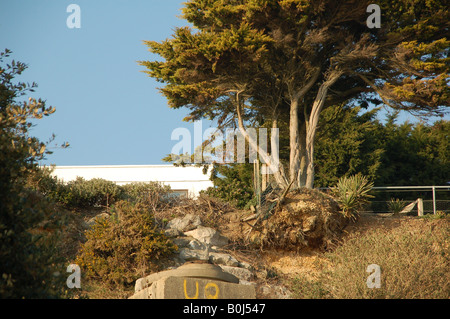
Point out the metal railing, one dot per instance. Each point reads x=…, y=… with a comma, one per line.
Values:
x=435, y=198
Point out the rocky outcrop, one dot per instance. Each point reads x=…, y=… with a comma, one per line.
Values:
x=199, y=244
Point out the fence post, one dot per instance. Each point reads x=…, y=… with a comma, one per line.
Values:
x=257, y=185
x=420, y=207
x=264, y=170
x=434, y=200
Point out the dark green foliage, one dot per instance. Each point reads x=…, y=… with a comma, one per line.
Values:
x=348, y=143
x=233, y=183
x=97, y=192
x=415, y=154
x=389, y=154
x=28, y=222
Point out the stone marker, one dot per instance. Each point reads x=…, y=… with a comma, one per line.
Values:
x=195, y=288
x=197, y=270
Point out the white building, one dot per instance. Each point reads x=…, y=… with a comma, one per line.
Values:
x=182, y=180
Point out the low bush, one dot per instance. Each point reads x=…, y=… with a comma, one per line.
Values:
x=124, y=247
x=97, y=192
x=82, y=193
x=151, y=193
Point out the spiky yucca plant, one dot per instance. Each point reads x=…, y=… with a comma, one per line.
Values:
x=396, y=205
x=352, y=194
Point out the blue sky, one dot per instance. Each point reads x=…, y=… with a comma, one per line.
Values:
x=106, y=108
x=109, y=111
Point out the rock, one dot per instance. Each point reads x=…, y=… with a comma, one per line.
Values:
x=208, y=236
x=91, y=222
x=186, y=223
x=172, y=232
x=196, y=245
x=182, y=241
x=223, y=259
x=248, y=283
x=246, y=265
x=242, y=273
x=205, y=271
x=190, y=254
x=282, y=292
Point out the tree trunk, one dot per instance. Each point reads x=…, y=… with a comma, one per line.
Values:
x=294, y=143
x=278, y=172
x=298, y=159
x=302, y=174
x=312, y=125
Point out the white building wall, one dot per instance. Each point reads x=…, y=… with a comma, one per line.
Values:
x=189, y=178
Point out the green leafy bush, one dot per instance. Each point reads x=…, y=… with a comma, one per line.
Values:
x=124, y=247
x=352, y=194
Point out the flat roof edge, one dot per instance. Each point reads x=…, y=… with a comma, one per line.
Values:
x=116, y=166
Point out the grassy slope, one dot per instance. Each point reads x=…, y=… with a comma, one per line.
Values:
x=413, y=254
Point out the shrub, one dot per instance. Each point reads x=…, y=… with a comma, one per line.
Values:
x=151, y=193
x=352, y=194
x=124, y=247
x=82, y=193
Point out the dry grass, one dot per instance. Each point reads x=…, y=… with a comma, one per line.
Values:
x=413, y=255
x=306, y=263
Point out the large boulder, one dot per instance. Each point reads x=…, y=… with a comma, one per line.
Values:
x=185, y=223
x=208, y=236
x=187, y=254
x=223, y=259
